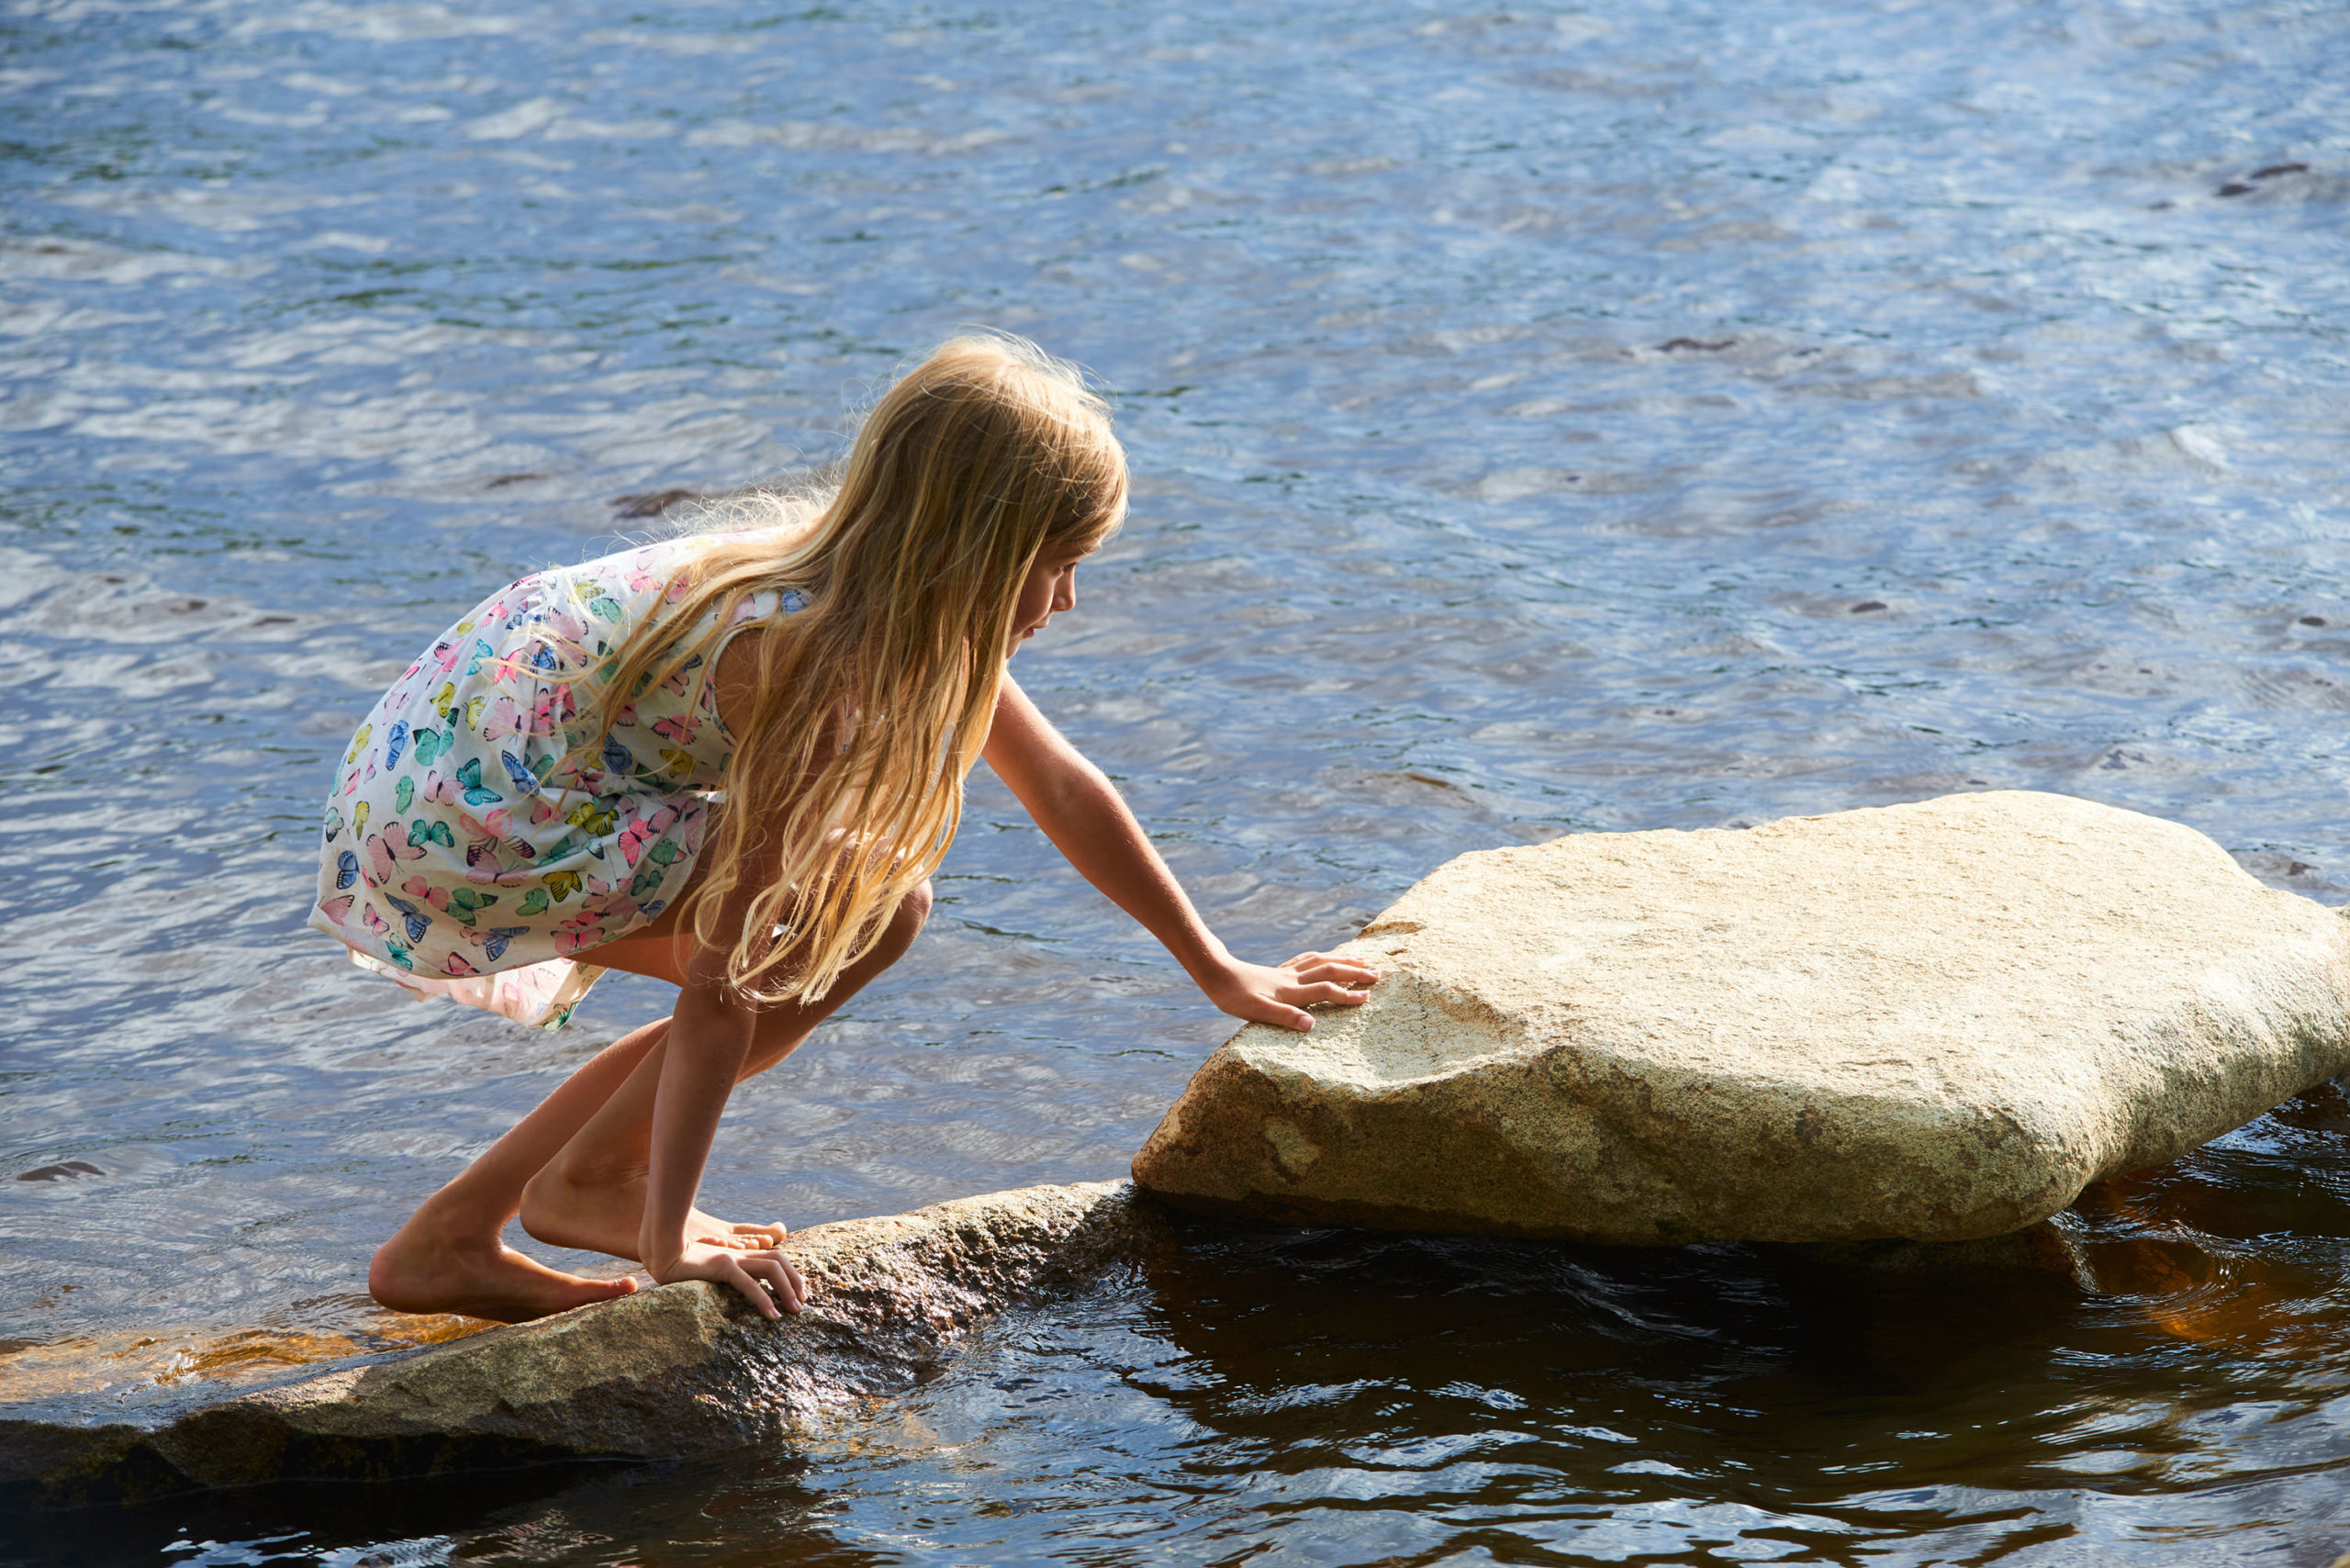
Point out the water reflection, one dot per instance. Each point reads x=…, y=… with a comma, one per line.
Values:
x=1351, y=1397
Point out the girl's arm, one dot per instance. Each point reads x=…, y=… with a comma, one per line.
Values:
x=1081, y=811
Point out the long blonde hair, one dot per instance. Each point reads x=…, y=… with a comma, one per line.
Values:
x=873, y=700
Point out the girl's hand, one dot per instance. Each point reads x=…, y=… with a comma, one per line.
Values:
x=754, y=1273
x=1280, y=995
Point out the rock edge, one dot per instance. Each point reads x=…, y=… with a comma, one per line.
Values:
x=1934, y=1022
x=674, y=1372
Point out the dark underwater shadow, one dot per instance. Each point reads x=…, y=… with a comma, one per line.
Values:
x=1526, y=1389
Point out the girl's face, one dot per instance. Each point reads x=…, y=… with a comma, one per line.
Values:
x=1051, y=588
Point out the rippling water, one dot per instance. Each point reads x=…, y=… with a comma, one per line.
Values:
x=1656, y=417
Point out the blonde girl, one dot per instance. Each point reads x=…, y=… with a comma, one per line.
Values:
x=732, y=763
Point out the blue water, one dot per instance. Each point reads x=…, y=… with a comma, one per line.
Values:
x=1654, y=417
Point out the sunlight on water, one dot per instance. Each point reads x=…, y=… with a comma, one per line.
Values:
x=1550, y=420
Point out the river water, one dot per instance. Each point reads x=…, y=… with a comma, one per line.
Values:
x=1671, y=416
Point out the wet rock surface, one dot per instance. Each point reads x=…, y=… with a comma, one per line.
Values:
x=1936, y=1022
x=677, y=1371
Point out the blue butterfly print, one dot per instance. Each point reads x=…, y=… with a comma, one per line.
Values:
x=524, y=780
x=494, y=943
x=395, y=742
x=481, y=650
x=617, y=757
x=414, y=919
x=543, y=658
x=477, y=793
x=346, y=868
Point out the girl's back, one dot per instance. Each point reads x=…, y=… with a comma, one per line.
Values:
x=470, y=828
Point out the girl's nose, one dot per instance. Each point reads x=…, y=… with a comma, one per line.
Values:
x=1065, y=597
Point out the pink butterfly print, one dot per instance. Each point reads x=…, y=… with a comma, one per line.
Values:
x=539, y=812
x=551, y=710
x=456, y=968
x=506, y=718
x=384, y=855
x=338, y=910
x=423, y=892
x=640, y=580
x=585, y=929
x=485, y=844
x=375, y=923
x=677, y=730
x=640, y=835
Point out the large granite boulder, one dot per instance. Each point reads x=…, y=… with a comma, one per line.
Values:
x=684, y=1369
x=1937, y=1021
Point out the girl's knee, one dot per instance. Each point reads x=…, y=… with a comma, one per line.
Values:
x=914, y=909
x=905, y=924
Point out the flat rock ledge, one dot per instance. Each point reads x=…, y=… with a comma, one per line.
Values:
x=1935, y=1022
x=672, y=1372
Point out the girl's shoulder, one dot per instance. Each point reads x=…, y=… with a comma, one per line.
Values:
x=665, y=564
x=662, y=569
x=600, y=602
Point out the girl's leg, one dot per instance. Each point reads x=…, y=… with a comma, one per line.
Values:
x=592, y=1194
x=449, y=1257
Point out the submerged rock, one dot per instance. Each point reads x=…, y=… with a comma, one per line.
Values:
x=684, y=1369
x=1934, y=1022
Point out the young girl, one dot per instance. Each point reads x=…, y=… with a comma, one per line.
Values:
x=732, y=763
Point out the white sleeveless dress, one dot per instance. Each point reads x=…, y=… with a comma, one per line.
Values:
x=463, y=856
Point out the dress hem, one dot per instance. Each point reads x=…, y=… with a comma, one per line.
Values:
x=539, y=996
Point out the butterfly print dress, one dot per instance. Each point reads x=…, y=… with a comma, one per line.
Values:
x=467, y=852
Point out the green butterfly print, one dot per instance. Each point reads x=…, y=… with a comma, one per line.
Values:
x=464, y=903
x=477, y=793
x=405, y=796
x=607, y=608
x=429, y=743
x=420, y=832
x=533, y=902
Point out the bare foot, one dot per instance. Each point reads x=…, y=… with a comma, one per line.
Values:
x=425, y=1272
x=605, y=1217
